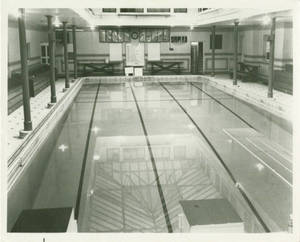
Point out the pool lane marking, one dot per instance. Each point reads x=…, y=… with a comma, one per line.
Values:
x=151, y=100
x=244, y=122
x=235, y=114
x=272, y=157
x=160, y=191
x=258, y=158
x=79, y=192
x=238, y=186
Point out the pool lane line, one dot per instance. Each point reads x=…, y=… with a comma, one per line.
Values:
x=79, y=192
x=235, y=114
x=153, y=100
x=238, y=186
x=160, y=191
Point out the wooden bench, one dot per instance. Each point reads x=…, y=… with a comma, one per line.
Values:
x=88, y=68
x=169, y=66
x=39, y=77
x=283, y=81
x=247, y=72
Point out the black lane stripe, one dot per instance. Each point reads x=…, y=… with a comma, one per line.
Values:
x=222, y=162
x=235, y=114
x=160, y=191
x=79, y=192
x=151, y=100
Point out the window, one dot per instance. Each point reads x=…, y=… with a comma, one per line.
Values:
x=109, y=10
x=131, y=10
x=218, y=41
x=180, y=10
x=203, y=9
x=45, y=59
x=158, y=10
x=178, y=39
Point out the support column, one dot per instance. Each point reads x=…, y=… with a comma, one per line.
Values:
x=66, y=60
x=213, y=35
x=271, y=63
x=51, y=40
x=235, y=57
x=74, y=50
x=24, y=67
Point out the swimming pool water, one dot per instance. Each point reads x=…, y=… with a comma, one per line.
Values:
x=138, y=150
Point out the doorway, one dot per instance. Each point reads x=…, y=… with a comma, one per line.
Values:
x=197, y=57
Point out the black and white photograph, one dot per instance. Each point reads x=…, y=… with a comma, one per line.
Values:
x=149, y=120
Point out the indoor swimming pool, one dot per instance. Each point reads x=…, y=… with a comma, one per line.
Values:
x=128, y=152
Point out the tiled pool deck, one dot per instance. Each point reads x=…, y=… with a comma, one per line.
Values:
x=281, y=104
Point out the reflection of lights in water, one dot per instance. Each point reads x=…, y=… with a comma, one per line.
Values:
x=63, y=147
x=91, y=192
x=237, y=184
x=96, y=157
x=95, y=129
x=191, y=126
x=259, y=166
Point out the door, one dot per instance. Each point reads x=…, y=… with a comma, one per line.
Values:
x=200, y=58
x=197, y=57
x=194, y=57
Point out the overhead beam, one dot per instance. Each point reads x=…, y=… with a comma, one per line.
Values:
x=24, y=68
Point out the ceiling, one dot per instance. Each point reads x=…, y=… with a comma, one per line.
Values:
x=85, y=18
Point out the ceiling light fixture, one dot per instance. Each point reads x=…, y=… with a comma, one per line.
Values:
x=266, y=20
x=87, y=16
x=259, y=166
x=15, y=12
x=56, y=22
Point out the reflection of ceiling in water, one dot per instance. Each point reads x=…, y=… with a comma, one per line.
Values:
x=172, y=153
x=123, y=188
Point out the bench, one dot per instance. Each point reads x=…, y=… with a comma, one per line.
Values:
x=88, y=68
x=283, y=79
x=170, y=66
x=247, y=72
x=39, y=77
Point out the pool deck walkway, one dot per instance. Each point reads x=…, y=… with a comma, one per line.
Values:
x=281, y=104
x=39, y=111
